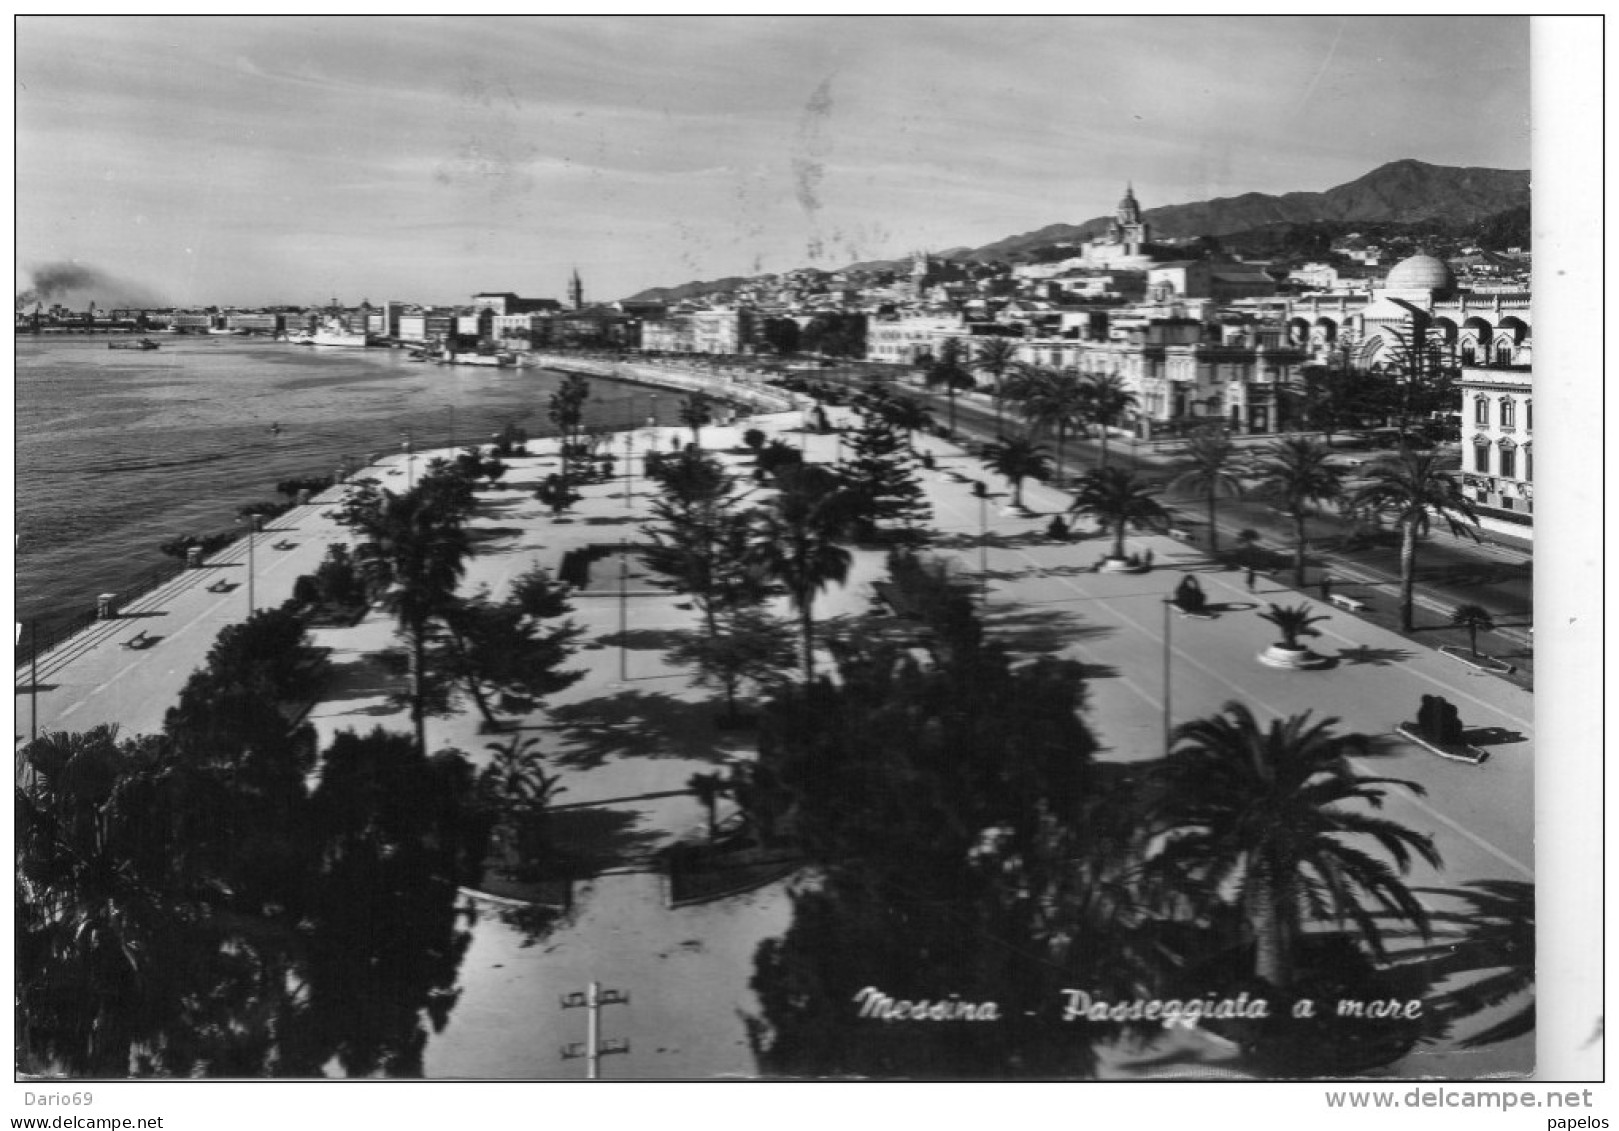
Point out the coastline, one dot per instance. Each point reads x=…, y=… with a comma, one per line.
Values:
x=51, y=613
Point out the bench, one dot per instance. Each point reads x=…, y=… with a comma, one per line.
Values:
x=1345, y=601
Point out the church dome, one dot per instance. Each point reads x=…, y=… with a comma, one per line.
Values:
x=1420, y=273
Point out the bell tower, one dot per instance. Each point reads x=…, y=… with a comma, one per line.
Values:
x=576, y=291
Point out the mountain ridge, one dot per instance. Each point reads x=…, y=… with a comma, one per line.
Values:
x=1403, y=191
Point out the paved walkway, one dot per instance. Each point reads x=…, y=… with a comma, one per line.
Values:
x=633, y=730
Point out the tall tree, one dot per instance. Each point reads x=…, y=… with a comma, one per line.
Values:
x=566, y=410
x=701, y=536
x=1216, y=471
x=1412, y=488
x=1267, y=818
x=794, y=541
x=508, y=655
x=696, y=413
x=1015, y=459
x=1119, y=501
x=1295, y=471
x=413, y=559
x=907, y=414
x=1053, y=403
x=1106, y=400
x=995, y=356
x=948, y=371
x=883, y=482
x=922, y=792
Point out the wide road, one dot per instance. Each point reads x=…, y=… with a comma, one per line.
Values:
x=1495, y=572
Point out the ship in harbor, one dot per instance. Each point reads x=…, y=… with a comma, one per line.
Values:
x=501, y=360
x=137, y=344
x=332, y=332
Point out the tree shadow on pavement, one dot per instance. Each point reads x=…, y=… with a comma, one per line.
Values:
x=1375, y=657
x=1027, y=628
x=636, y=724
x=1491, y=736
x=592, y=840
x=362, y=678
x=646, y=639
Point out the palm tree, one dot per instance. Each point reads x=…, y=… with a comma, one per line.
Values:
x=708, y=789
x=1472, y=618
x=1050, y=402
x=1297, y=472
x=1215, y=471
x=1106, y=401
x=1118, y=500
x=1017, y=459
x=1266, y=819
x=794, y=542
x=1411, y=487
x=949, y=370
x=995, y=357
x=519, y=790
x=907, y=414
x=1294, y=621
x=415, y=560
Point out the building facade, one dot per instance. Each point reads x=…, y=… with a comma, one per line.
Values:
x=1498, y=461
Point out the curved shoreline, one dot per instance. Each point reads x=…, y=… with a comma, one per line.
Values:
x=737, y=387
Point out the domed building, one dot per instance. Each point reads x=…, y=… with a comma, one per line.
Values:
x=1420, y=275
x=1419, y=302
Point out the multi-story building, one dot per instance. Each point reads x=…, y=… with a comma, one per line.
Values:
x=254, y=322
x=1498, y=463
x=672, y=334
x=722, y=331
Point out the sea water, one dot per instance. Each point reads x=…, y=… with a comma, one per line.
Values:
x=118, y=451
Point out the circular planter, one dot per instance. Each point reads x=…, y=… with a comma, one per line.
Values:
x=1297, y=659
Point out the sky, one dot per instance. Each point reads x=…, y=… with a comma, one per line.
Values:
x=256, y=160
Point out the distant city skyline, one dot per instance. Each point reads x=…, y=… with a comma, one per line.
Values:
x=246, y=161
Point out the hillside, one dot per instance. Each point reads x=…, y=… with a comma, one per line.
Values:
x=1403, y=192
x=1491, y=202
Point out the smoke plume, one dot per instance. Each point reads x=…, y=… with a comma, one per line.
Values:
x=76, y=284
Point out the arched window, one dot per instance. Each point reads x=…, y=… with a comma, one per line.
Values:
x=1509, y=463
x=1528, y=464
x=1508, y=413
x=1468, y=353
x=1528, y=416
x=1481, y=410
x=1481, y=458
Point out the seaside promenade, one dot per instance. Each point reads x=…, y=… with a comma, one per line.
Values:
x=629, y=735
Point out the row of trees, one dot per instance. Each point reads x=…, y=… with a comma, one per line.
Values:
x=1410, y=387
x=190, y=904
x=1410, y=488
x=966, y=842
x=504, y=655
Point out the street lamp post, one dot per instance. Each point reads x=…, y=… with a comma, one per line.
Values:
x=623, y=611
x=253, y=522
x=1168, y=727
x=982, y=494
x=629, y=465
